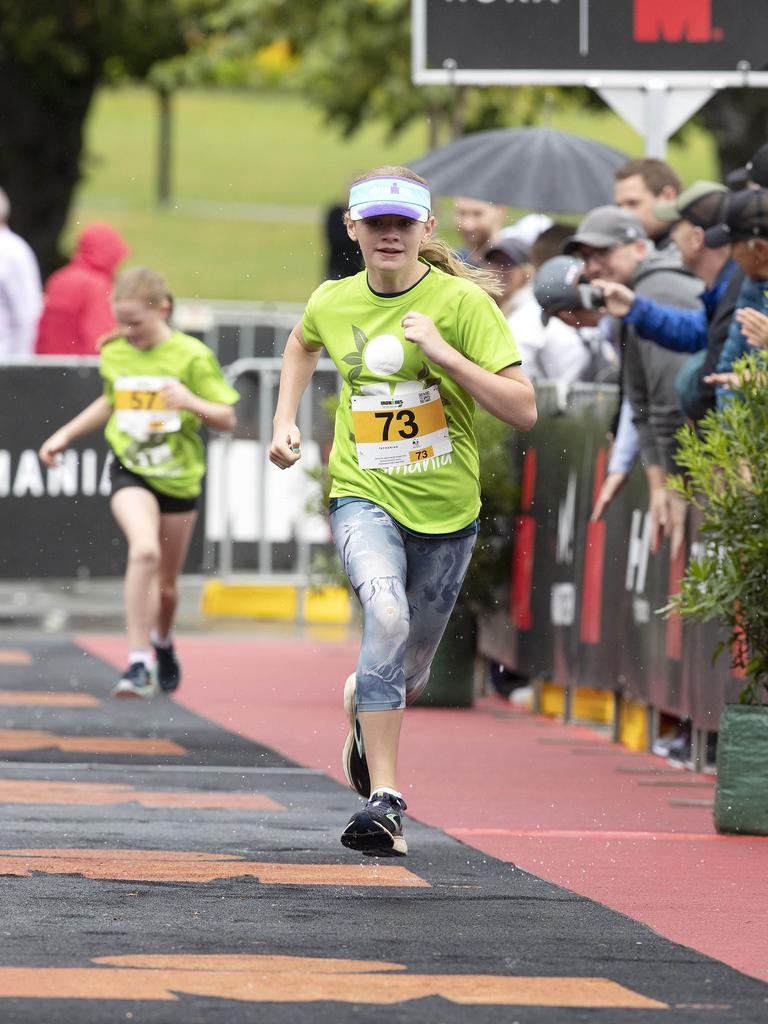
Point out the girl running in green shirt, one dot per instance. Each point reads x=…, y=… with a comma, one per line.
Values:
x=159, y=387
x=417, y=343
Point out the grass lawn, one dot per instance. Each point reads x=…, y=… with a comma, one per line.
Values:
x=252, y=174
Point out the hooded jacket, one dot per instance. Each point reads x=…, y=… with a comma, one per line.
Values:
x=648, y=370
x=77, y=310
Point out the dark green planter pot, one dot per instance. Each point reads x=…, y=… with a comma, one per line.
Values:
x=741, y=796
x=452, y=679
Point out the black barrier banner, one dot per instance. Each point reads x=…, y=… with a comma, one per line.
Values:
x=56, y=523
x=585, y=598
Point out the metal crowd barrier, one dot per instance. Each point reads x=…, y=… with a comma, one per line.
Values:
x=583, y=605
x=583, y=598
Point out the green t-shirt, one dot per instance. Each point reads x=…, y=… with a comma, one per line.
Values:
x=164, y=447
x=363, y=334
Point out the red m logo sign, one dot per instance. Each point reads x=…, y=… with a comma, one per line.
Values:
x=675, y=21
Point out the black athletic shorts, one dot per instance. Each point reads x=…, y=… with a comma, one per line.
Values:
x=121, y=477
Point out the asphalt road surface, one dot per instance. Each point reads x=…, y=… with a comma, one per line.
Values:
x=157, y=868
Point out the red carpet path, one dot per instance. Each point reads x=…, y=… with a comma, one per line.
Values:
x=559, y=801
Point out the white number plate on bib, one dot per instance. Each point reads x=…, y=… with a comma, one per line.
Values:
x=140, y=408
x=400, y=430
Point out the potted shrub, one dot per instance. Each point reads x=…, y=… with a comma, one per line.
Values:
x=726, y=478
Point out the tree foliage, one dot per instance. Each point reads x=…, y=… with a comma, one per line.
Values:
x=53, y=55
x=726, y=478
x=355, y=63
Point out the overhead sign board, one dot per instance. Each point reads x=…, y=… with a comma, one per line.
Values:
x=691, y=43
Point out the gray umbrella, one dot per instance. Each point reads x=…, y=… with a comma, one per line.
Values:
x=534, y=168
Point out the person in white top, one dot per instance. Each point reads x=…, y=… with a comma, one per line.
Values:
x=21, y=291
x=550, y=349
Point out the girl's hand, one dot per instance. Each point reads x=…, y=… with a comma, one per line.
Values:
x=285, y=449
x=176, y=395
x=754, y=326
x=421, y=330
x=53, y=447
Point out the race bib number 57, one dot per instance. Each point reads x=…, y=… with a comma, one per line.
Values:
x=140, y=409
x=400, y=430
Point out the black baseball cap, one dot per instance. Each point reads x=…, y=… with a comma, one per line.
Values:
x=702, y=203
x=755, y=170
x=746, y=216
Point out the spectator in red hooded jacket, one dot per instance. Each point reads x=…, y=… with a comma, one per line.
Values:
x=77, y=311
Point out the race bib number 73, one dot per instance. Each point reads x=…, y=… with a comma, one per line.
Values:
x=399, y=430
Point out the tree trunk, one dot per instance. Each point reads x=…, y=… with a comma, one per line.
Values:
x=41, y=138
x=738, y=119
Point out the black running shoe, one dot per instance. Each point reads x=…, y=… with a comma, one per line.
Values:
x=353, y=759
x=137, y=681
x=377, y=830
x=168, y=668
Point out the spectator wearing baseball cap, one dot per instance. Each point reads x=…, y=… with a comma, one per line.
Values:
x=754, y=174
x=616, y=249
x=701, y=331
x=746, y=225
x=510, y=260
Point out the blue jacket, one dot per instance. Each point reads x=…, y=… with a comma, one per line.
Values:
x=755, y=294
x=682, y=330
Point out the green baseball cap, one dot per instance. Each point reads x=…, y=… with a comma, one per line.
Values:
x=702, y=203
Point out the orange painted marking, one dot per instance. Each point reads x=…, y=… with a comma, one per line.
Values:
x=179, y=866
x=23, y=791
x=11, y=657
x=31, y=739
x=277, y=979
x=39, y=698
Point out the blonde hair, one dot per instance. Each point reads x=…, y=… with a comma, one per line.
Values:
x=143, y=285
x=434, y=251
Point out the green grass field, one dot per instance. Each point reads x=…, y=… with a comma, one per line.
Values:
x=252, y=174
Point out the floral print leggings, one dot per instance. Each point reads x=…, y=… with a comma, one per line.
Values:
x=407, y=587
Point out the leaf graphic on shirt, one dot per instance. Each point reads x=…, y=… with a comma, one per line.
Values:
x=355, y=373
x=353, y=359
x=360, y=339
x=425, y=374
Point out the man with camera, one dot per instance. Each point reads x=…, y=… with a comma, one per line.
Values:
x=615, y=249
x=700, y=331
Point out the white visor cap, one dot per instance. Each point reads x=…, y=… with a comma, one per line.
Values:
x=377, y=197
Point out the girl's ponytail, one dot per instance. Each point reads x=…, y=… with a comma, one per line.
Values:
x=438, y=254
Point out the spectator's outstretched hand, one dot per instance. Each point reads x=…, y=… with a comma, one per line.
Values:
x=658, y=509
x=618, y=298
x=612, y=484
x=754, y=326
x=668, y=513
x=678, y=509
x=724, y=380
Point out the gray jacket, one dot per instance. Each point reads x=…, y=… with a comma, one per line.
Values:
x=648, y=370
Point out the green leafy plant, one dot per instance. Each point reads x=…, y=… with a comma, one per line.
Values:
x=726, y=478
